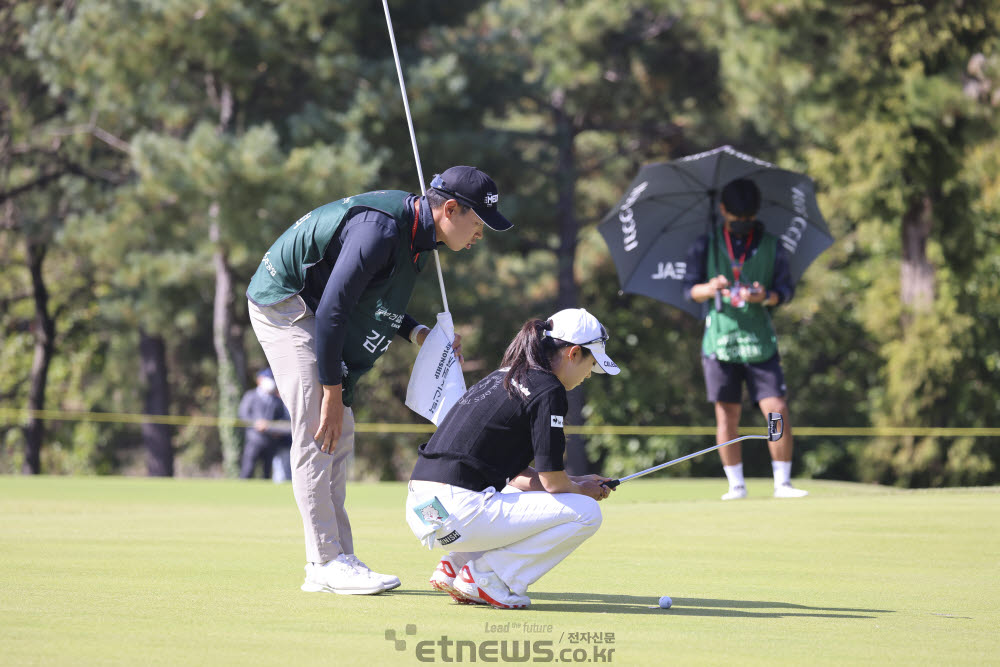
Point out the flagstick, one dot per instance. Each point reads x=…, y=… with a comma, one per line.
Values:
x=413, y=138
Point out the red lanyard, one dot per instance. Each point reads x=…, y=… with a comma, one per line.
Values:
x=737, y=267
x=413, y=236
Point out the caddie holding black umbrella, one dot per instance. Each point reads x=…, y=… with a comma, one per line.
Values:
x=724, y=236
x=744, y=270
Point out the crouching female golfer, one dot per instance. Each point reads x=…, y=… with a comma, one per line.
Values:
x=501, y=541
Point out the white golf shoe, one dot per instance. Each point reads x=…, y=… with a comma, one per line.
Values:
x=443, y=579
x=735, y=493
x=340, y=576
x=389, y=581
x=789, y=491
x=485, y=587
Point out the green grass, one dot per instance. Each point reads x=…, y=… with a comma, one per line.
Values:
x=129, y=571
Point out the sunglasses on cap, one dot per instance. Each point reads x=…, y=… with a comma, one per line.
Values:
x=438, y=184
x=603, y=338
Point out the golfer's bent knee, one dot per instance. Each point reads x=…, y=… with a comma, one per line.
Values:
x=590, y=514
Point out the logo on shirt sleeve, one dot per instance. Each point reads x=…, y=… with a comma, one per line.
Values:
x=557, y=421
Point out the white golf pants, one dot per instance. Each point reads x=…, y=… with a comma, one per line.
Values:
x=287, y=332
x=520, y=535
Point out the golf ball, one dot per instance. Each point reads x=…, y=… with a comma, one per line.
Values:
x=665, y=602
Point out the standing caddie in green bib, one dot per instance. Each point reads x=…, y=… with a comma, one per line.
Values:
x=742, y=272
x=327, y=300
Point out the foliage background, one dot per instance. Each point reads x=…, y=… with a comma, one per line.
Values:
x=150, y=151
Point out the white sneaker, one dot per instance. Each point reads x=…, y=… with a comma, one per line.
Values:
x=340, y=576
x=443, y=580
x=789, y=491
x=735, y=493
x=389, y=581
x=486, y=588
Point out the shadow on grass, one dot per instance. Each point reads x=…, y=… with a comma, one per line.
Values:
x=596, y=603
x=633, y=604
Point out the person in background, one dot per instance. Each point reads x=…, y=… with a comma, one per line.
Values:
x=281, y=464
x=259, y=407
x=745, y=271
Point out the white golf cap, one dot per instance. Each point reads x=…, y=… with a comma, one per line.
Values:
x=577, y=326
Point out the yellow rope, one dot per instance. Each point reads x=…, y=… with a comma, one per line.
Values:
x=22, y=415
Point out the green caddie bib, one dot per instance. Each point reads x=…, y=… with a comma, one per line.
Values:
x=744, y=334
x=373, y=322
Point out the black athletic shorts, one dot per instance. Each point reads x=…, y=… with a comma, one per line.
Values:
x=724, y=380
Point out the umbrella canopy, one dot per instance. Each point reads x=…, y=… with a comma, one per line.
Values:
x=670, y=204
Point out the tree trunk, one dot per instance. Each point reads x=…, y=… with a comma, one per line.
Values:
x=234, y=342
x=917, y=273
x=227, y=334
x=569, y=227
x=229, y=377
x=156, y=437
x=44, y=330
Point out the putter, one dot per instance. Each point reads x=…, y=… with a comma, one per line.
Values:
x=775, y=429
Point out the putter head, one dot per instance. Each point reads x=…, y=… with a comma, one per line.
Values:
x=775, y=426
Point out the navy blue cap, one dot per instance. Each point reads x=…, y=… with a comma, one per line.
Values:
x=265, y=373
x=473, y=188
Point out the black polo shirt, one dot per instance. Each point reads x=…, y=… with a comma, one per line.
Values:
x=489, y=437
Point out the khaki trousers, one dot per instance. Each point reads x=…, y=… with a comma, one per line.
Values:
x=287, y=332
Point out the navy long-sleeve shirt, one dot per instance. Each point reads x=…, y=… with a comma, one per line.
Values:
x=257, y=404
x=362, y=251
x=697, y=264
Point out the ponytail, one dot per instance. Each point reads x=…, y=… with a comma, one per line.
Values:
x=531, y=348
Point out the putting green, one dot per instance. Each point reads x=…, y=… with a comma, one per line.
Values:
x=185, y=572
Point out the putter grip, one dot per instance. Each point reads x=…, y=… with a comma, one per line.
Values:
x=612, y=484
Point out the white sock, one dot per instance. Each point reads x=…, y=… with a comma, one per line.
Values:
x=782, y=472
x=735, y=475
x=460, y=559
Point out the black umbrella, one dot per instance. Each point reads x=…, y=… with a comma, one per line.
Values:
x=670, y=204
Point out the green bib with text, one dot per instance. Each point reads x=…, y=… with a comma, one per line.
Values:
x=744, y=334
x=379, y=312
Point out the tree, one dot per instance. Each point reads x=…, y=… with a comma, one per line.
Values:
x=236, y=122
x=150, y=153
x=579, y=94
x=45, y=159
x=869, y=98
